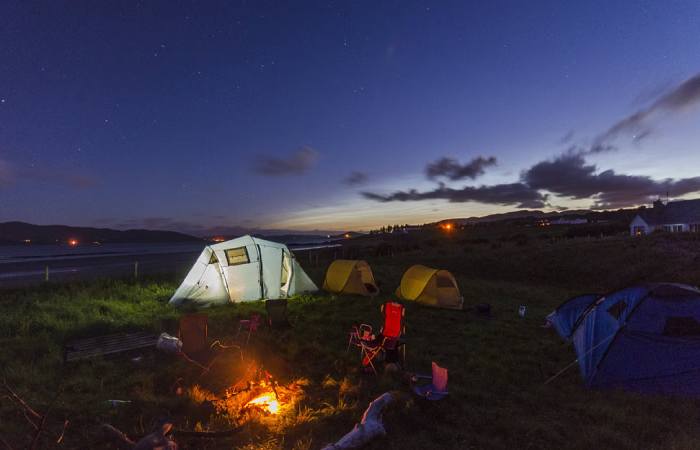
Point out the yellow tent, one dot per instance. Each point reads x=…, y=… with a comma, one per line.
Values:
x=431, y=287
x=350, y=277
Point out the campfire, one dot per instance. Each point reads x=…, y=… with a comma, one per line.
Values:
x=256, y=396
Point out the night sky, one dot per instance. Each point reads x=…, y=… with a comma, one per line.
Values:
x=209, y=116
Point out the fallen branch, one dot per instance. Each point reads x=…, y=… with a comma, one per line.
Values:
x=63, y=432
x=157, y=440
x=370, y=426
x=39, y=430
x=19, y=400
x=117, y=436
x=7, y=446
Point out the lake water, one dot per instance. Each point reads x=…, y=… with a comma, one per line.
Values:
x=12, y=254
x=22, y=265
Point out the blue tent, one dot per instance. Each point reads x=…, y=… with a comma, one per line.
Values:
x=644, y=338
x=566, y=317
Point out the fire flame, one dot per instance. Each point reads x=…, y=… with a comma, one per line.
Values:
x=267, y=401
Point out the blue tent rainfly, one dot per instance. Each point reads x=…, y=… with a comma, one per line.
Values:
x=644, y=338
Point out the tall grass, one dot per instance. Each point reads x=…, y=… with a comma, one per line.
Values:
x=497, y=365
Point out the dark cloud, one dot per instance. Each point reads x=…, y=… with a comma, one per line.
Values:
x=356, y=179
x=681, y=97
x=518, y=194
x=599, y=147
x=197, y=228
x=570, y=176
x=451, y=168
x=297, y=164
x=63, y=177
x=568, y=137
x=641, y=136
x=11, y=174
x=7, y=175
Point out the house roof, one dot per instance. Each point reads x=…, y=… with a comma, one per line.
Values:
x=686, y=211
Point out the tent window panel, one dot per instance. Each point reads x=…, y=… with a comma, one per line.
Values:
x=681, y=326
x=236, y=256
x=617, y=309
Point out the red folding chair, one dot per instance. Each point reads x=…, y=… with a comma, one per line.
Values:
x=389, y=338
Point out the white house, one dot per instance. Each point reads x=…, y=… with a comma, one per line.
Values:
x=673, y=217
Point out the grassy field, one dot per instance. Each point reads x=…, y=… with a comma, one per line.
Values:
x=497, y=365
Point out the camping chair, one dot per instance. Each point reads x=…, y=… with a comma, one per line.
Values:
x=277, y=313
x=250, y=325
x=389, y=340
x=358, y=334
x=436, y=389
x=192, y=332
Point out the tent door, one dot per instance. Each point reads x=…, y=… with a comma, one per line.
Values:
x=271, y=271
x=242, y=278
x=287, y=275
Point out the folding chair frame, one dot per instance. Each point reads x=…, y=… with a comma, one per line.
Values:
x=371, y=349
x=251, y=324
x=359, y=334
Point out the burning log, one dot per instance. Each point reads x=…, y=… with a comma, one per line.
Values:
x=370, y=426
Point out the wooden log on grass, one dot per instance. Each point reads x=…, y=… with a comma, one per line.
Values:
x=370, y=427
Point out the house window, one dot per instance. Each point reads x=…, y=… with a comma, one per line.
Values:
x=673, y=228
x=695, y=227
x=638, y=231
x=236, y=256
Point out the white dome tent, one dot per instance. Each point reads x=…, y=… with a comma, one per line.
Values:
x=240, y=270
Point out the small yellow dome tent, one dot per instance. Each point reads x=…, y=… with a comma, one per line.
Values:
x=431, y=287
x=346, y=276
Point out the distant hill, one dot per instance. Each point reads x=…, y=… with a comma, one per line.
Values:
x=19, y=232
x=593, y=216
x=347, y=235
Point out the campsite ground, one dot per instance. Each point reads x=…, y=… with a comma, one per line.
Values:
x=497, y=366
